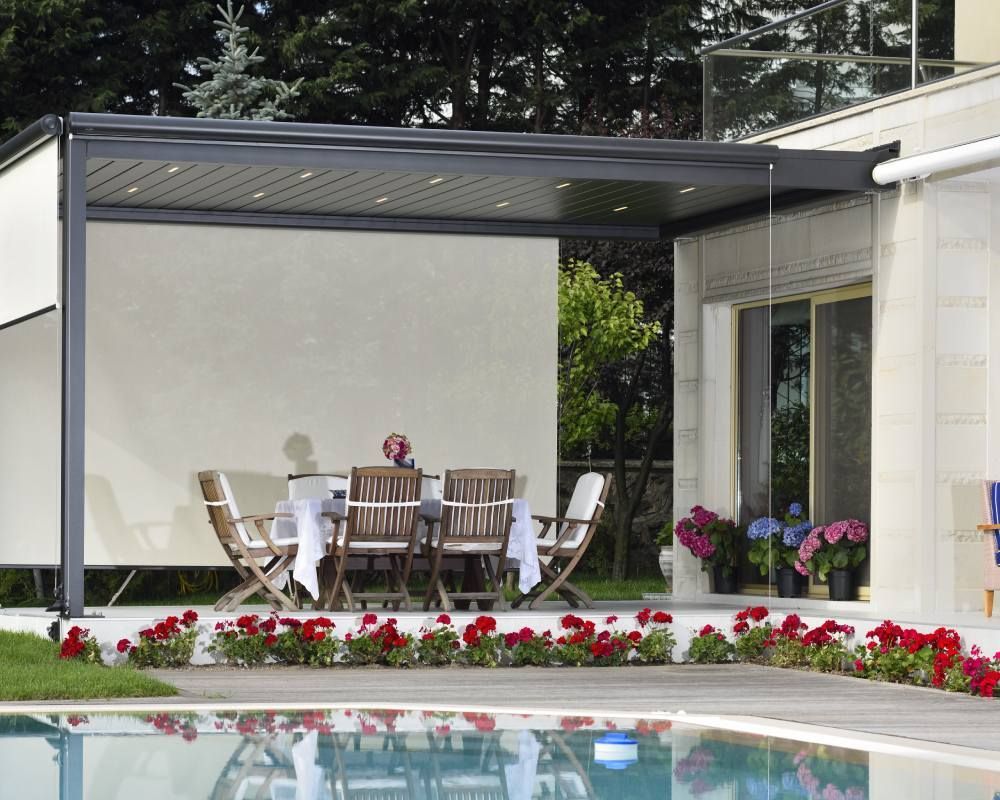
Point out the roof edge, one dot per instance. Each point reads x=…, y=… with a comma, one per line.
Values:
x=28, y=139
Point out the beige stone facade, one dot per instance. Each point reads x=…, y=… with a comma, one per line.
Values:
x=931, y=250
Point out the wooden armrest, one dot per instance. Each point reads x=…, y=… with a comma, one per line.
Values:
x=336, y=516
x=261, y=517
x=570, y=520
x=988, y=527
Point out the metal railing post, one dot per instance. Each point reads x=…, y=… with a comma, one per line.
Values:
x=915, y=36
x=707, y=111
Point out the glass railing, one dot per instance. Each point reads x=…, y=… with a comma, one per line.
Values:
x=837, y=54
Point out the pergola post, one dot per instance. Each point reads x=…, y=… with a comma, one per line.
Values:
x=73, y=286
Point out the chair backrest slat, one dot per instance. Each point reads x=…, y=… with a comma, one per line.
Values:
x=221, y=506
x=383, y=502
x=477, y=503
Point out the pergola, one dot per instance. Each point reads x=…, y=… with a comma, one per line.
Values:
x=308, y=176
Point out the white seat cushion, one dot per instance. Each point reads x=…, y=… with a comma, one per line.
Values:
x=231, y=509
x=582, y=505
x=387, y=544
x=280, y=542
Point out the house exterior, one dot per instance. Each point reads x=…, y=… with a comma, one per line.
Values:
x=884, y=336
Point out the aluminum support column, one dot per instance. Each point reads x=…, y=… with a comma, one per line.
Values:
x=73, y=305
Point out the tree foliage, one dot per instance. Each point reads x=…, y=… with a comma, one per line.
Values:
x=232, y=92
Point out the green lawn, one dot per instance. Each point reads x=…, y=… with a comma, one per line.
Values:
x=30, y=669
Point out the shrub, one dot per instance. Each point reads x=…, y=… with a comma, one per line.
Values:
x=655, y=645
x=710, y=646
x=439, y=645
x=572, y=648
x=80, y=645
x=899, y=654
x=311, y=642
x=788, y=649
x=528, y=648
x=383, y=644
x=753, y=633
x=247, y=641
x=169, y=643
x=484, y=647
x=826, y=646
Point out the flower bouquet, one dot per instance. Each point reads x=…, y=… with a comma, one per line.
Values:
x=397, y=447
x=712, y=539
x=838, y=548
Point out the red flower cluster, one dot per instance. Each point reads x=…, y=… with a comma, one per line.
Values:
x=605, y=646
x=826, y=633
x=483, y=626
x=711, y=630
x=755, y=613
x=583, y=629
x=170, y=725
x=170, y=627
x=314, y=630
x=75, y=642
x=790, y=627
x=526, y=634
x=647, y=615
x=387, y=635
x=483, y=722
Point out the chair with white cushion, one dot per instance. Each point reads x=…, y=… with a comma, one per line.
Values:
x=307, y=486
x=382, y=511
x=560, y=551
x=475, y=523
x=245, y=551
x=991, y=527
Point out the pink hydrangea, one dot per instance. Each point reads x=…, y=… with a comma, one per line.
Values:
x=857, y=531
x=835, y=531
x=702, y=516
x=699, y=545
x=811, y=544
x=801, y=568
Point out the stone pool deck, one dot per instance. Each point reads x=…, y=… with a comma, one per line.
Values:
x=847, y=704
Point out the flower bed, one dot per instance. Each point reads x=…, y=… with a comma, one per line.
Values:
x=887, y=652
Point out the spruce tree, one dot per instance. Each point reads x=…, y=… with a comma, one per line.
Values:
x=231, y=92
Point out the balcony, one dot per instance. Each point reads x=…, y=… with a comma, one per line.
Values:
x=841, y=53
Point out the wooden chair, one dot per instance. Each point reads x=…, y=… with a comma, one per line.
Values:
x=991, y=544
x=244, y=551
x=383, y=509
x=576, y=530
x=475, y=521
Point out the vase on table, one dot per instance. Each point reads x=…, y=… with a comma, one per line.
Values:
x=789, y=582
x=723, y=580
x=841, y=584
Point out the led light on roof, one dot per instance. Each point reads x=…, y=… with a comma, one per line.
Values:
x=258, y=195
x=381, y=199
x=688, y=189
x=305, y=174
x=432, y=181
x=503, y=204
x=133, y=189
x=620, y=208
x=564, y=185
x=173, y=170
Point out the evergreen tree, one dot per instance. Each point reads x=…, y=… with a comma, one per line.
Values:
x=232, y=93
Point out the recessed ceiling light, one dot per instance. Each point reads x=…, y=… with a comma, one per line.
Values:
x=688, y=189
x=504, y=203
x=620, y=208
x=133, y=189
x=305, y=174
x=432, y=181
x=173, y=169
x=564, y=185
x=258, y=195
x=381, y=199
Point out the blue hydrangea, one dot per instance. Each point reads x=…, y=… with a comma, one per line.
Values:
x=795, y=510
x=795, y=534
x=763, y=527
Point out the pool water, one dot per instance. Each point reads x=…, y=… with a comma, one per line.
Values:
x=368, y=754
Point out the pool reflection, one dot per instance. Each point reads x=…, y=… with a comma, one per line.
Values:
x=424, y=755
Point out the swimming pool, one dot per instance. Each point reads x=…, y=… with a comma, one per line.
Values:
x=386, y=754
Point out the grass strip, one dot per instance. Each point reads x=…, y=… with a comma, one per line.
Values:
x=30, y=669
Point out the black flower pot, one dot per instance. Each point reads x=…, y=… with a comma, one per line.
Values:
x=789, y=582
x=841, y=584
x=722, y=582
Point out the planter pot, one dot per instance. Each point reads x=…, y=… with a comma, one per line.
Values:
x=841, y=584
x=667, y=565
x=789, y=582
x=723, y=583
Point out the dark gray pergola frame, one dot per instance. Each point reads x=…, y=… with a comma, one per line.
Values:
x=785, y=177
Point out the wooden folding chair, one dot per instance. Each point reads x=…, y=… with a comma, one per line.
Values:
x=991, y=527
x=576, y=530
x=383, y=509
x=243, y=550
x=475, y=522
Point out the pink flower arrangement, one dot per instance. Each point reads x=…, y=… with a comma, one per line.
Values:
x=839, y=545
x=709, y=537
x=396, y=447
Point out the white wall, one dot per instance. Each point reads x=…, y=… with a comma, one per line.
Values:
x=933, y=252
x=263, y=351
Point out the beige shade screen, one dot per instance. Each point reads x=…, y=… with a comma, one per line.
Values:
x=29, y=233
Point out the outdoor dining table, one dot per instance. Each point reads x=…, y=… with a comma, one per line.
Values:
x=314, y=532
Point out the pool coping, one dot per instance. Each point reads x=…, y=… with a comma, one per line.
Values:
x=954, y=755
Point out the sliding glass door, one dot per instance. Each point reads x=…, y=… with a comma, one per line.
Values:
x=803, y=409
